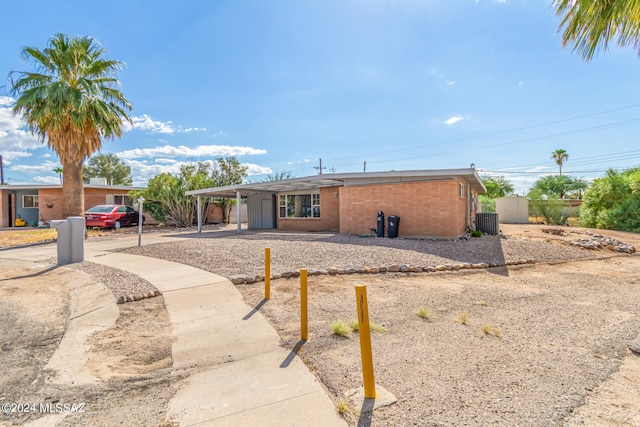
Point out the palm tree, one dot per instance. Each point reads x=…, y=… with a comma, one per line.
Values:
x=59, y=171
x=560, y=156
x=71, y=102
x=590, y=25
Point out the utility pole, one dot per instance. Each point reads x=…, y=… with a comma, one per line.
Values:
x=1, y=172
x=319, y=167
x=332, y=170
x=365, y=166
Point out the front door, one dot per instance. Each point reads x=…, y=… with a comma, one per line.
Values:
x=267, y=214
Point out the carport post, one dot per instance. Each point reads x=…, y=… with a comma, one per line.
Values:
x=199, y=214
x=238, y=212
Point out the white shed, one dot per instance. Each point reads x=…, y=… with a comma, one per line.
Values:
x=513, y=210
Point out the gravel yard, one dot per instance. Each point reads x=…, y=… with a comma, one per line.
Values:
x=232, y=254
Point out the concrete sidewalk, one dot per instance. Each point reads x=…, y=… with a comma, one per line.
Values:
x=242, y=376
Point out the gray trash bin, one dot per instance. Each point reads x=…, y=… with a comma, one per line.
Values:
x=394, y=225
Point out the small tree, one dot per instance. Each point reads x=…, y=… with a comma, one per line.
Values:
x=559, y=187
x=497, y=186
x=107, y=166
x=165, y=195
x=612, y=202
x=547, y=197
x=227, y=171
x=560, y=156
x=59, y=171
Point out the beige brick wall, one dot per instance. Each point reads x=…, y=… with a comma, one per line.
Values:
x=425, y=208
x=329, y=214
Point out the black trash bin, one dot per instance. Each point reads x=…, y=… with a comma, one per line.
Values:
x=380, y=228
x=394, y=225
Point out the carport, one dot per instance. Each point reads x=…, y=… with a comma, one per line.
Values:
x=271, y=188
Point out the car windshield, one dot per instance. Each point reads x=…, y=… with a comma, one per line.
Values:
x=102, y=208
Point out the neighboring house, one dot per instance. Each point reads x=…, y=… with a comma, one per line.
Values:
x=35, y=203
x=430, y=203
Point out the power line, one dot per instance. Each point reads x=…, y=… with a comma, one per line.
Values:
x=471, y=138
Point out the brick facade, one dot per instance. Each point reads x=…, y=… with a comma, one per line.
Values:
x=426, y=209
x=50, y=202
x=329, y=214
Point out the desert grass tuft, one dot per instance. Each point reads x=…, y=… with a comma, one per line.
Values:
x=482, y=303
x=490, y=330
x=375, y=327
x=341, y=328
x=463, y=319
x=344, y=407
x=425, y=313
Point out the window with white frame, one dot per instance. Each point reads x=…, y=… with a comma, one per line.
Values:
x=30, y=201
x=299, y=205
x=461, y=190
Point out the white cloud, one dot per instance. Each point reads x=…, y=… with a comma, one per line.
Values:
x=15, y=141
x=184, y=151
x=450, y=82
x=452, y=120
x=166, y=161
x=520, y=83
x=145, y=122
x=46, y=179
x=45, y=167
x=143, y=170
x=253, y=169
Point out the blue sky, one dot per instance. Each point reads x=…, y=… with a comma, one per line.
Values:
x=405, y=84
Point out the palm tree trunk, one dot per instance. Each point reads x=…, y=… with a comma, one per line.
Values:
x=72, y=189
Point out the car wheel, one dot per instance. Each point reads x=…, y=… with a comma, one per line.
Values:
x=116, y=225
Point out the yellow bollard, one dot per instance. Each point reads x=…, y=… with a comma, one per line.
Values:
x=267, y=273
x=365, y=342
x=304, y=334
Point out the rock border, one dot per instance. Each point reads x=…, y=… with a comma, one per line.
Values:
x=245, y=279
x=137, y=297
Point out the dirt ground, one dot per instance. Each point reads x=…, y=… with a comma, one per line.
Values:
x=131, y=360
x=543, y=344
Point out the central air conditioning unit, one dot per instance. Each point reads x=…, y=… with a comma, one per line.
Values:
x=488, y=222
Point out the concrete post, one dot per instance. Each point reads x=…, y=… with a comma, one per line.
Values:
x=238, y=211
x=70, y=242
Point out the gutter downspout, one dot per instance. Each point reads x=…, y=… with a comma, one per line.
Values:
x=238, y=212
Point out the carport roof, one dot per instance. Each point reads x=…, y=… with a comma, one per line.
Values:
x=342, y=179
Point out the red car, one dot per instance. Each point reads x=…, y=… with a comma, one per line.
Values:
x=111, y=216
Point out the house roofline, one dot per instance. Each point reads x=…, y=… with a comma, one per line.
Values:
x=338, y=179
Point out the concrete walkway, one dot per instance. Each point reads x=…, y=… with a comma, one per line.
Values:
x=241, y=374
